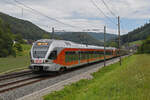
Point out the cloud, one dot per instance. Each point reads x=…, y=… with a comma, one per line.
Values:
x=135, y=9
x=80, y=13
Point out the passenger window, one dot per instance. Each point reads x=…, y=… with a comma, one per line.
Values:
x=53, y=55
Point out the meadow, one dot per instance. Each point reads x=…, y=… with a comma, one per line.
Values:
x=130, y=81
x=21, y=61
x=139, y=42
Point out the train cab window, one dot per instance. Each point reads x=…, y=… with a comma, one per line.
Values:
x=53, y=55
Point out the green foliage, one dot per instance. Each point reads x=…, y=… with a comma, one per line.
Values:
x=14, y=52
x=112, y=44
x=139, y=42
x=46, y=36
x=100, y=36
x=4, y=53
x=7, y=46
x=11, y=63
x=140, y=33
x=17, y=48
x=26, y=29
x=6, y=42
x=127, y=82
x=145, y=47
x=18, y=38
x=80, y=37
x=25, y=49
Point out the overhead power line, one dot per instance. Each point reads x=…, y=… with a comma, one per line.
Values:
x=25, y=7
x=45, y=15
x=101, y=11
x=22, y=12
x=109, y=8
x=12, y=4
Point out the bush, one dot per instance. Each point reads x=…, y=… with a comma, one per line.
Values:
x=145, y=47
x=19, y=39
x=17, y=49
x=3, y=53
x=6, y=42
x=18, y=46
x=13, y=52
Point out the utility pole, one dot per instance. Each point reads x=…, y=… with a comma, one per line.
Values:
x=119, y=38
x=52, y=37
x=104, y=46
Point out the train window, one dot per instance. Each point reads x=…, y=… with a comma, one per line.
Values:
x=108, y=52
x=70, y=56
x=40, y=49
x=66, y=57
x=53, y=55
x=39, y=54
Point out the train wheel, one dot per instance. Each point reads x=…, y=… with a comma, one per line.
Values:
x=61, y=70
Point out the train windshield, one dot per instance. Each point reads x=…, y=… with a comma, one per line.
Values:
x=40, y=49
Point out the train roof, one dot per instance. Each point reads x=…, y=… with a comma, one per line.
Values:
x=69, y=44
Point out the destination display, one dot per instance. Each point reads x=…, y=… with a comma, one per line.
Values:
x=42, y=43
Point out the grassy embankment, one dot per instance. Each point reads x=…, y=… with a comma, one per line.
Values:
x=131, y=81
x=11, y=63
x=139, y=42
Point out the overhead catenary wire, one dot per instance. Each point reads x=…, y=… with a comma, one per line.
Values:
x=24, y=7
x=45, y=15
x=101, y=11
x=109, y=9
x=48, y=16
x=13, y=4
x=22, y=13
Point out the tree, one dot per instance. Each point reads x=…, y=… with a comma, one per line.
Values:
x=18, y=38
x=46, y=36
x=6, y=42
x=145, y=47
x=18, y=47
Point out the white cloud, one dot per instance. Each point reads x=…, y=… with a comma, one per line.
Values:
x=136, y=9
x=80, y=13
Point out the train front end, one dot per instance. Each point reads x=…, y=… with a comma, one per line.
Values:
x=42, y=56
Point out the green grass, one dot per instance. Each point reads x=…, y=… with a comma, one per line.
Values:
x=21, y=61
x=139, y=42
x=131, y=81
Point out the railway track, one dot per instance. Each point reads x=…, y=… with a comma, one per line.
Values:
x=20, y=83
x=27, y=81
x=31, y=80
x=14, y=75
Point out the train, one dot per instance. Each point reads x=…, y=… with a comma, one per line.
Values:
x=51, y=55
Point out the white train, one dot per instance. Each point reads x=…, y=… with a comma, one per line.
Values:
x=59, y=55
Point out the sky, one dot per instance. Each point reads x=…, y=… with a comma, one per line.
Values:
x=81, y=15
